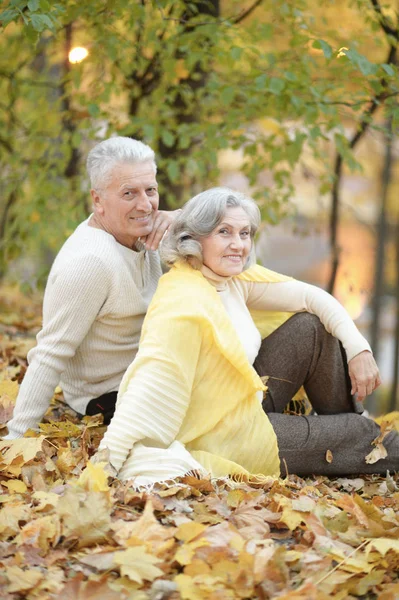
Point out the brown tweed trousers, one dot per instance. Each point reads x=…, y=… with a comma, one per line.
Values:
x=301, y=352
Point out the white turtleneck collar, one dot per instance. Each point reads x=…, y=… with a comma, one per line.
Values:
x=220, y=282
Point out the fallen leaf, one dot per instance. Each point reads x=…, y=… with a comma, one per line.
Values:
x=137, y=564
x=22, y=580
x=329, y=456
x=377, y=454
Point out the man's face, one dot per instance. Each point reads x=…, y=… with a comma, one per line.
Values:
x=127, y=206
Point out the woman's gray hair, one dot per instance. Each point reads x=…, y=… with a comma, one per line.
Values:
x=102, y=159
x=198, y=218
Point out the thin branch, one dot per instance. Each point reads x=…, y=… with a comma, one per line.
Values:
x=383, y=20
x=245, y=13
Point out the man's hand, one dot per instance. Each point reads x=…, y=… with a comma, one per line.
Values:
x=364, y=374
x=163, y=219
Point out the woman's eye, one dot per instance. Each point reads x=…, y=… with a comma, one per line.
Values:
x=223, y=231
x=245, y=233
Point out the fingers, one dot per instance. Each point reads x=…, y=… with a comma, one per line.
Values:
x=161, y=225
x=364, y=375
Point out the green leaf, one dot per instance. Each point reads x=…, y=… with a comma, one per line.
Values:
x=168, y=138
x=388, y=69
x=8, y=15
x=361, y=62
x=227, y=95
x=260, y=81
x=173, y=170
x=236, y=53
x=37, y=22
x=276, y=85
x=34, y=5
x=325, y=46
x=93, y=109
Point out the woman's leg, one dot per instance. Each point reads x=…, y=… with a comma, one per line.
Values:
x=302, y=352
x=303, y=442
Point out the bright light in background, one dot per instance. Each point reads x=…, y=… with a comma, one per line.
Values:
x=77, y=54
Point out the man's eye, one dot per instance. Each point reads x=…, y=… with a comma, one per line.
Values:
x=245, y=233
x=127, y=193
x=151, y=190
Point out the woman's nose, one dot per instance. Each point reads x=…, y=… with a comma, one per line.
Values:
x=236, y=242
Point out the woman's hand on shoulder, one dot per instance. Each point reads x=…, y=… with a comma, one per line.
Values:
x=364, y=375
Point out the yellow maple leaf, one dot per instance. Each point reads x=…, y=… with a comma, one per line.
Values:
x=22, y=580
x=188, y=588
x=10, y=517
x=382, y=545
x=189, y=531
x=137, y=564
x=94, y=478
x=9, y=389
x=15, y=486
x=27, y=448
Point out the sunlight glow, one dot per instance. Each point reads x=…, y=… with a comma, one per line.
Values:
x=77, y=54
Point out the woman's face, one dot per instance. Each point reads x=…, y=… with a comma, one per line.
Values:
x=226, y=249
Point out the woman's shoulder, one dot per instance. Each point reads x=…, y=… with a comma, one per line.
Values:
x=260, y=274
x=183, y=290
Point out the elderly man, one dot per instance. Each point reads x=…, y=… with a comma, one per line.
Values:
x=98, y=290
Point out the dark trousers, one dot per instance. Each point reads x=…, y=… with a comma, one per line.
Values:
x=301, y=352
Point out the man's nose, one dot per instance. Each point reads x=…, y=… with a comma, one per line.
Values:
x=143, y=202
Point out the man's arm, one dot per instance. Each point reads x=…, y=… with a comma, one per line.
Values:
x=72, y=304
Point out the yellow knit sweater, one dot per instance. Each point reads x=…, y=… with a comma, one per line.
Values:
x=207, y=412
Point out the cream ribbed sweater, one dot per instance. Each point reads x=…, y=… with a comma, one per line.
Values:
x=96, y=297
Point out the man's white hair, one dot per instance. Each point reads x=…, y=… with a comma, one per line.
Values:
x=103, y=158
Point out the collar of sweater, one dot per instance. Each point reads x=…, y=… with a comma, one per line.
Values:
x=218, y=281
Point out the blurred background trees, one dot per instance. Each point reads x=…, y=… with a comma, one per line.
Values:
x=295, y=102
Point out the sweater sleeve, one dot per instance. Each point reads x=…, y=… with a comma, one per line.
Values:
x=156, y=390
x=297, y=296
x=71, y=305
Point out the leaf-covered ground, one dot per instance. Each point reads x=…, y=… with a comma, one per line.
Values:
x=73, y=533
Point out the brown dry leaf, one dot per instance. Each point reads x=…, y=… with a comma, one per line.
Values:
x=252, y=520
x=6, y=409
x=329, y=456
x=137, y=564
x=348, y=503
x=146, y=529
x=377, y=454
x=85, y=516
x=42, y=533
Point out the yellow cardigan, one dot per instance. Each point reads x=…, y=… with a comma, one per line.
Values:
x=188, y=335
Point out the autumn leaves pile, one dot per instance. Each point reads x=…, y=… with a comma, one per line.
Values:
x=70, y=531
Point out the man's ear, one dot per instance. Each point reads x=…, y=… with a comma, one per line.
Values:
x=97, y=202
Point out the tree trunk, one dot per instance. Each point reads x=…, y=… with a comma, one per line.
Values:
x=382, y=231
x=394, y=399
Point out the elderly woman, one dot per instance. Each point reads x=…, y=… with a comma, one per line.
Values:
x=191, y=401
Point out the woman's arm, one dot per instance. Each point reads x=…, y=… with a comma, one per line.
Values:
x=297, y=296
x=156, y=390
